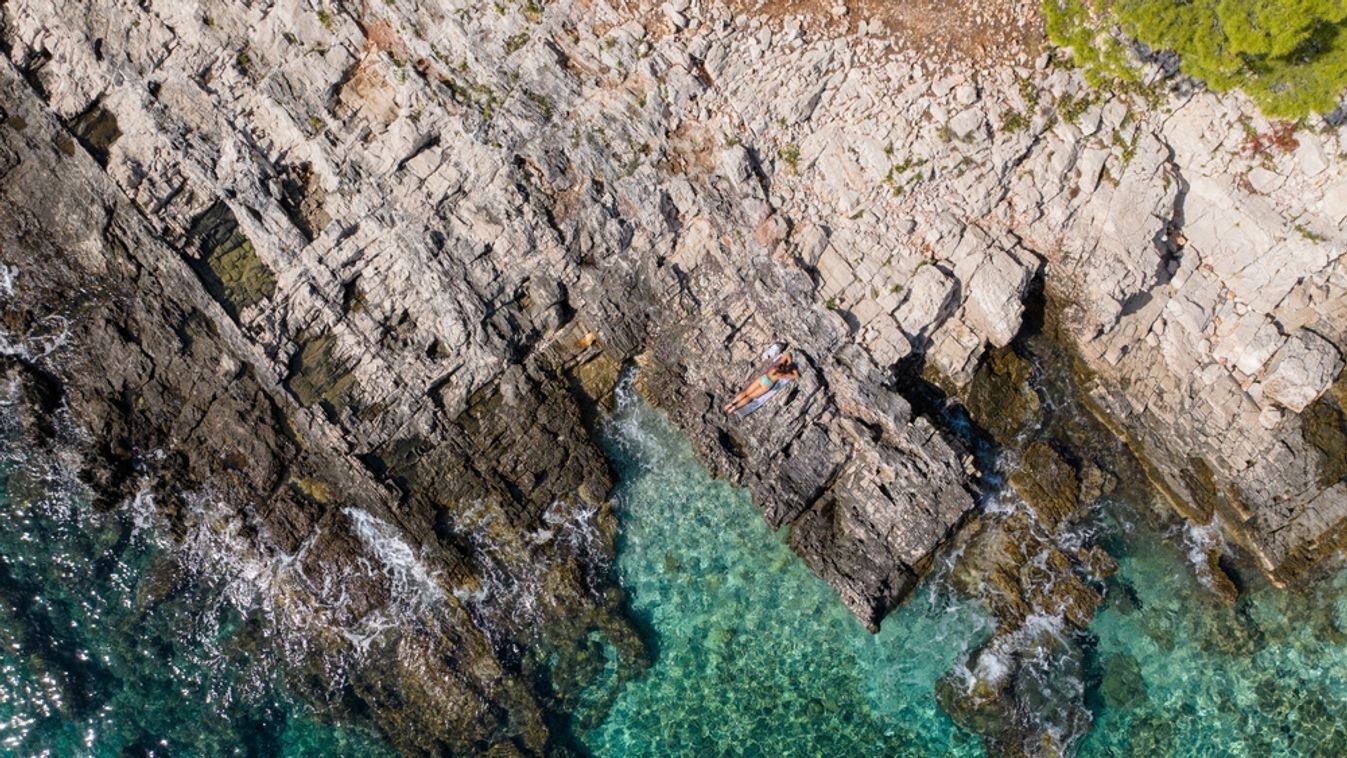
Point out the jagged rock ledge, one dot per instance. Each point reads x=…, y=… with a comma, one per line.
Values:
x=383, y=258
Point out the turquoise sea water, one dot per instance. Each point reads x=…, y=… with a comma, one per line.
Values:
x=756, y=656
x=105, y=649
x=1179, y=674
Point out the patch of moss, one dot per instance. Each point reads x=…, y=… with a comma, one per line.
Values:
x=1309, y=234
x=543, y=104
x=1071, y=107
x=1029, y=91
x=516, y=41
x=229, y=266
x=246, y=279
x=317, y=374
x=1128, y=147
x=313, y=489
x=1013, y=121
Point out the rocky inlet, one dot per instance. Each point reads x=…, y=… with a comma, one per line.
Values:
x=365, y=277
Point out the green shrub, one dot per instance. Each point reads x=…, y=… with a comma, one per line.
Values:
x=516, y=41
x=1071, y=108
x=1013, y=121
x=1095, y=46
x=1289, y=56
x=543, y=105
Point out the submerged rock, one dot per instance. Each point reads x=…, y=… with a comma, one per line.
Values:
x=1047, y=483
x=1123, y=685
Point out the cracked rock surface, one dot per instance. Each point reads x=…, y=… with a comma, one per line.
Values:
x=323, y=257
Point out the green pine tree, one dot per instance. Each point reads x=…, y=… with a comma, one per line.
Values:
x=1290, y=56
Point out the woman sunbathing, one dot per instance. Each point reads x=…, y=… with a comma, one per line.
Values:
x=781, y=370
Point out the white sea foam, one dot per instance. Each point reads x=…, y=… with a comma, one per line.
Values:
x=508, y=591
x=242, y=563
x=627, y=430
x=574, y=527
x=9, y=277
x=411, y=581
x=146, y=523
x=253, y=575
x=10, y=347
x=991, y=667
x=994, y=662
x=1003, y=502
x=1198, y=542
x=1074, y=537
x=511, y=593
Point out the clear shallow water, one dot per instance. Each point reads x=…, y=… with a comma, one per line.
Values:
x=103, y=652
x=756, y=656
x=1181, y=675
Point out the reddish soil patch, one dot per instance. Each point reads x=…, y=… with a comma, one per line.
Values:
x=977, y=33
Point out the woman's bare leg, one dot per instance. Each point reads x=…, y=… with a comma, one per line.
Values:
x=739, y=400
x=750, y=394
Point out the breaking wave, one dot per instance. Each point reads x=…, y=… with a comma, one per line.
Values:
x=511, y=594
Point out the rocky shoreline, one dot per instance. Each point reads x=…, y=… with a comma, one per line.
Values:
x=310, y=259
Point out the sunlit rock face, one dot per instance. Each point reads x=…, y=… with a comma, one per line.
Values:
x=333, y=264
